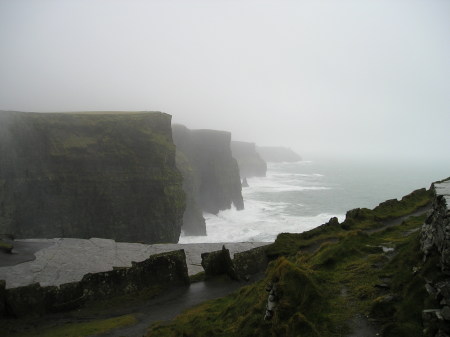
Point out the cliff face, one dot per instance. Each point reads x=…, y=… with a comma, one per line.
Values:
x=277, y=154
x=249, y=161
x=109, y=175
x=212, y=173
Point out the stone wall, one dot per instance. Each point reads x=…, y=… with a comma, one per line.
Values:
x=435, y=239
x=436, y=230
x=164, y=270
x=241, y=267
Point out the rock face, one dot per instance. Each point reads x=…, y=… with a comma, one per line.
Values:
x=249, y=161
x=217, y=263
x=241, y=267
x=277, y=154
x=436, y=230
x=435, y=239
x=109, y=175
x=210, y=172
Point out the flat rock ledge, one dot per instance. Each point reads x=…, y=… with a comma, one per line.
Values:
x=68, y=260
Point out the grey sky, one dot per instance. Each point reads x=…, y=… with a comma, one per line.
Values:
x=359, y=77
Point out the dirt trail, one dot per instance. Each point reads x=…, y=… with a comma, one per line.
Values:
x=360, y=324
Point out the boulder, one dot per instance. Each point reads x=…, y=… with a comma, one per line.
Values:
x=219, y=263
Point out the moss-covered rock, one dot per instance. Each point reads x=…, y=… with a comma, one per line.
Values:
x=109, y=175
x=218, y=263
x=250, y=262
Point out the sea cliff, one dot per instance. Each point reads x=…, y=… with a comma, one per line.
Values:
x=249, y=161
x=109, y=174
x=210, y=173
x=278, y=154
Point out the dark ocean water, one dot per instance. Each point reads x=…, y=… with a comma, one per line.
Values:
x=295, y=197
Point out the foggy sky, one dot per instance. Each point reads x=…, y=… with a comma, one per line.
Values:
x=363, y=78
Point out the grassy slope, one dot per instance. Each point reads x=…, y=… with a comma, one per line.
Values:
x=322, y=290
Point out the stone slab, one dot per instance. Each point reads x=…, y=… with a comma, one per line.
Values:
x=66, y=260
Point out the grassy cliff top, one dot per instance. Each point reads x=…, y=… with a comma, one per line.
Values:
x=326, y=278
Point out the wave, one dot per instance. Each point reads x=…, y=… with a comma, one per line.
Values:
x=271, y=207
x=286, y=185
x=258, y=222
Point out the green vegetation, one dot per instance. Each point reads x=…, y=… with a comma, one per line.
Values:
x=197, y=277
x=327, y=276
x=80, y=329
x=6, y=246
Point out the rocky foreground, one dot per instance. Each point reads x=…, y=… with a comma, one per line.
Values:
x=68, y=260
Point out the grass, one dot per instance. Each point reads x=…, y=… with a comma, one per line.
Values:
x=347, y=273
x=81, y=329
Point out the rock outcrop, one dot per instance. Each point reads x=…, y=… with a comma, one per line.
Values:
x=109, y=175
x=436, y=230
x=435, y=240
x=241, y=267
x=210, y=173
x=278, y=154
x=249, y=161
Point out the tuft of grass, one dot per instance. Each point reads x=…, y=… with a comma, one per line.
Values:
x=80, y=329
x=197, y=277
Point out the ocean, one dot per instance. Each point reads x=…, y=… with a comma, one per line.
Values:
x=295, y=197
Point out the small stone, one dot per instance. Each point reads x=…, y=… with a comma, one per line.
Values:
x=430, y=290
x=445, y=312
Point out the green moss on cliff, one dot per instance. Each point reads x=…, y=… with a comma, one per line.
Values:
x=90, y=175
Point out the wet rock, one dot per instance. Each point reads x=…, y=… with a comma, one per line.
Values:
x=445, y=312
x=382, y=286
x=245, y=182
x=250, y=262
x=219, y=263
x=2, y=298
x=272, y=300
x=431, y=290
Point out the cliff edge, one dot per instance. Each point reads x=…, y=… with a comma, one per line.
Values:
x=278, y=154
x=249, y=161
x=210, y=172
x=109, y=175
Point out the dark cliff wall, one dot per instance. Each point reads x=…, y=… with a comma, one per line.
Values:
x=249, y=161
x=109, y=175
x=277, y=154
x=206, y=162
